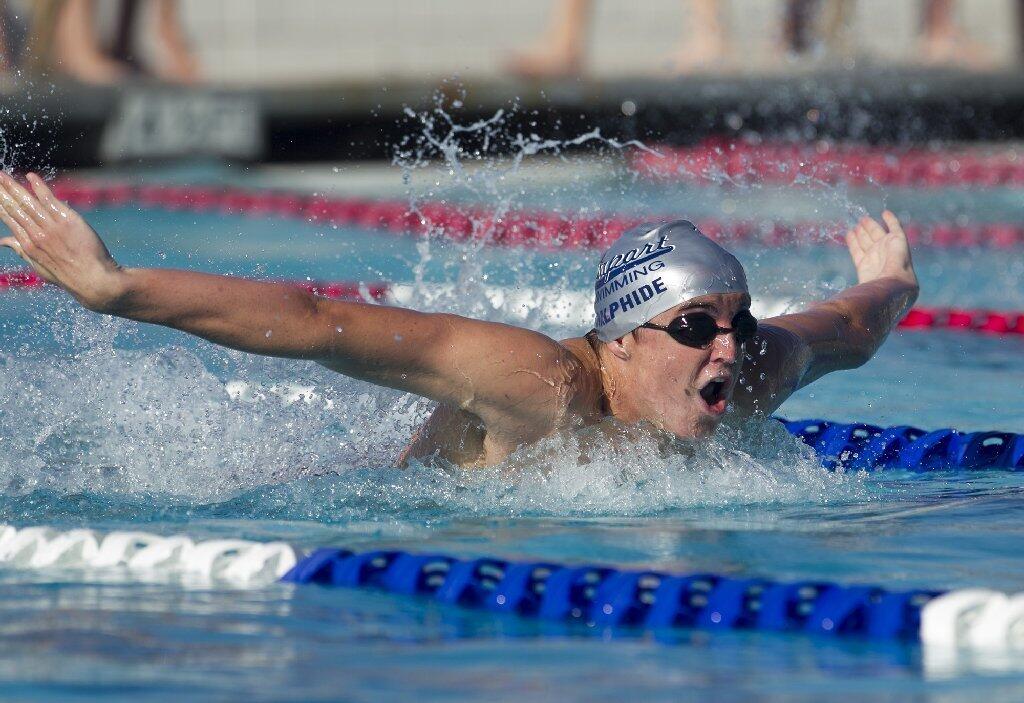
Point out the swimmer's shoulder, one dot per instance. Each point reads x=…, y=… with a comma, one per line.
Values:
x=588, y=388
x=460, y=437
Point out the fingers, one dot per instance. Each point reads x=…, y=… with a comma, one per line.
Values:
x=892, y=223
x=27, y=202
x=12, y=243
x=46, y=195
x=20, y=235
x=872, y=229
x=853, y=243
x=15, y=245
x=22, y=225
x=863, y=236
x=858, y=235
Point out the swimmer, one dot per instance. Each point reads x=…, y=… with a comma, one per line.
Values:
x=672, y=315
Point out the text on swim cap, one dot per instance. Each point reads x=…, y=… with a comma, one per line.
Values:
x=621, y=263
x=639, y=296
x=630, y=276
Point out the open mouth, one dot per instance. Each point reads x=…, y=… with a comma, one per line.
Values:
x=713, y=394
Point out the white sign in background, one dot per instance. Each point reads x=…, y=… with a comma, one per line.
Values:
x=150, y=124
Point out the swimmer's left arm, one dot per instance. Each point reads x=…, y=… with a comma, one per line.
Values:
x=843, y=332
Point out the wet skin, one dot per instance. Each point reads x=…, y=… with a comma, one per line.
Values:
x=666, y=391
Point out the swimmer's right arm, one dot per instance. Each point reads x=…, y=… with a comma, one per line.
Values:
x=506, y=375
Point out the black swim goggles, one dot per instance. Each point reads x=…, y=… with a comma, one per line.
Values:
x=699, y=329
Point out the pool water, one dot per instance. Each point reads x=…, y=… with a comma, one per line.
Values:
x=109, y=424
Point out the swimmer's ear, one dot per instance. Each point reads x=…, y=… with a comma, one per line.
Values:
x=618, y=349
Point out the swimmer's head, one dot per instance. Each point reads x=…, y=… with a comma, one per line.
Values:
x=656, y=274
x=652, y=268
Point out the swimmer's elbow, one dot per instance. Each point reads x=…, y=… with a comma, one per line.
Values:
x=859, y=344
x=840, y=344
x=858, y=356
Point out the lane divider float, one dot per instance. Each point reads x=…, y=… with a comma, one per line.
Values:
x=863, y=447
x=722, y=161
x=460, y=222
x=595, y=599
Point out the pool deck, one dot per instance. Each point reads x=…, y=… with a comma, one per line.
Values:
x=84, y=126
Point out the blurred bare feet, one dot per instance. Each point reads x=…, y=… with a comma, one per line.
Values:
x=179, y=68
x=545, y=64
x=702, y=54
x=953, y=50
x=91, y=67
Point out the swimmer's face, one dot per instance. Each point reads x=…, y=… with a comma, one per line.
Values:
x=682, y=389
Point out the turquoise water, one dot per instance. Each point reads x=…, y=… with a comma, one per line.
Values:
x=109, y=424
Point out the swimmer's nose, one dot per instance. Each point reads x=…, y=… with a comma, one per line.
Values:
x=725, y=349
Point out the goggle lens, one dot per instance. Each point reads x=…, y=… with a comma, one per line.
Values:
x=699, y=329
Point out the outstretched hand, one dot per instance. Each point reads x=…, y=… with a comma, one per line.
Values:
x=878, y=253
x=57, y=243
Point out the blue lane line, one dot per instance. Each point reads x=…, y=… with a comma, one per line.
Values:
x=862, y=446
x=602, y=597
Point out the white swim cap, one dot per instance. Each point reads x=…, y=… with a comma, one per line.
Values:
x=652, y=268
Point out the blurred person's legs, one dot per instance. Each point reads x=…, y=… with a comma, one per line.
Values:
x=562, y=49
x=64, y=37
x=176, y=63
x=703, y=44
x=122, y=48
x=174, y=59
x=812, y=25
x=835, y=27
x=1020, y=30
x=75, y=49
x=797, y=26
x=942, y=40
x=560, y=52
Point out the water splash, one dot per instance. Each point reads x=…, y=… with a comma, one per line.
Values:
x=99, y=413
x=487, y=162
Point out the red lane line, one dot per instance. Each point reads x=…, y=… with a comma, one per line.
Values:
x=461, y=223
x=985, y=321
x=20, y=280
x=922, y=318
x=725, y=161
